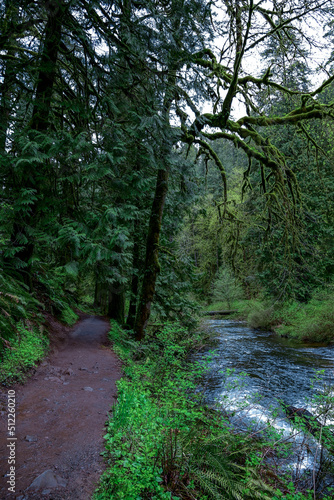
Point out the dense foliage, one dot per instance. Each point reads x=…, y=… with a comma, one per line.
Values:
x=121, y=192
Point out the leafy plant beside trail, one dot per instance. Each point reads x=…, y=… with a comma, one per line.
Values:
x=15, y=302
x=22, y=315
x=27, y=345
x=21, y=341
x=68, y=316
x=23, y=353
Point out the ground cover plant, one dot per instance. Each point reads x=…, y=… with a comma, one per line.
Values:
x=23, y=336
x=313, y=321
x=23, y=353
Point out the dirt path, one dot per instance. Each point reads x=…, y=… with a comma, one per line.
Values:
x=60, y=416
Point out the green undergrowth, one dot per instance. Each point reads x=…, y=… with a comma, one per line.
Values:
x=68, y=316
x=312, y=322
x=16, y=305
x=309, y=322
x=22, y=314
x=244, y=308
x=241, y=306
x=23, y=353
x=163, y=443
x=22, y=343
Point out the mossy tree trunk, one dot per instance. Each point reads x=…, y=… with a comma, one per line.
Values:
x=152, y=266
x=131, y=318
x=116, y=303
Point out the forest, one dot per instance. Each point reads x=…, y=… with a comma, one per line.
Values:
x=160, y=159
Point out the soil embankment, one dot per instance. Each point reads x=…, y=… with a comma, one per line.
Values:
x=60, y=416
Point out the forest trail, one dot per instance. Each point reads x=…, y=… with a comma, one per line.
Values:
x=60, y=416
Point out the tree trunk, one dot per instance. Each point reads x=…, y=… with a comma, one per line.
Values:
x=130, y=322
x=47, y=71
x=116, y=304
x=97, y=294
x=39, y=122
x=5, y=105
x=9, y=74
x=152, y=266
x=104, y=298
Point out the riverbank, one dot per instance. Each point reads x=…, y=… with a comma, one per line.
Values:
x=255, y=377
x=163, y=443
x=308, y=322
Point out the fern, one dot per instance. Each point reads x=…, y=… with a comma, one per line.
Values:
x=16, y=304
x=220, y=476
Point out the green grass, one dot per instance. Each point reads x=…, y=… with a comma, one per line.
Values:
x=221, y=305
x=24, y=352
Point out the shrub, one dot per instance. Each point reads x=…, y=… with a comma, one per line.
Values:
x=15, y=303
x=261, y=318
x=313, y=322
x=25, y=351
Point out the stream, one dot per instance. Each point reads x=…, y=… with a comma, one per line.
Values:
x=277, y=370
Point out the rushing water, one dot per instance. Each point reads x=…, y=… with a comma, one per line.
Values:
x=276, y=368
